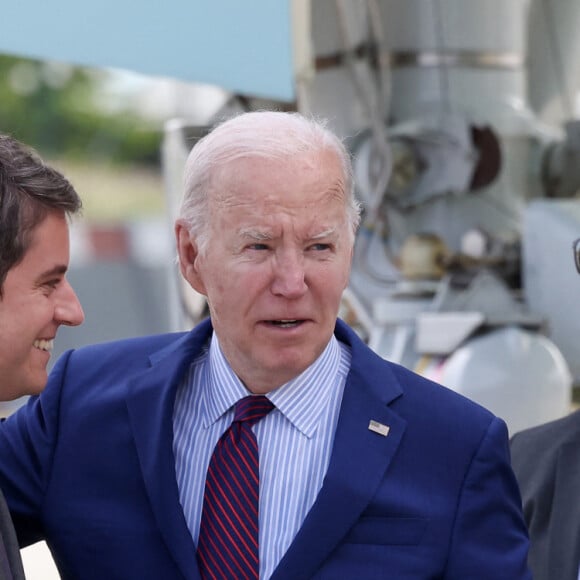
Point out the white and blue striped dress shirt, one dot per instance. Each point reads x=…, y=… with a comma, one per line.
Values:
x=295, y=440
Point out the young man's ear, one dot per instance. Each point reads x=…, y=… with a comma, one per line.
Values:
x=188, y=256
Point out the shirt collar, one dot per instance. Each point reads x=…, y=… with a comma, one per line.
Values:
x=221, y=388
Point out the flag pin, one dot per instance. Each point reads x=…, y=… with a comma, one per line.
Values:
x=379, y=428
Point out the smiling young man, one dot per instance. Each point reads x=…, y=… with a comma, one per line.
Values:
x=35, y=297
x=268, y=442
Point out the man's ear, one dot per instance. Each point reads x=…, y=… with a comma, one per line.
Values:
x=188, y=256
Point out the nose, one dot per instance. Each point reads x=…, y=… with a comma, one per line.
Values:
x=68, y=309
x=289, y=275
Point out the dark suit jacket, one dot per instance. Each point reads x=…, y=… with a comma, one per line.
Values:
x=546, y=460
x=10, y=561
x=89, y=465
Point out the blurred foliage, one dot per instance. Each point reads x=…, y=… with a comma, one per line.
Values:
x=55, y=109
x=114, y=192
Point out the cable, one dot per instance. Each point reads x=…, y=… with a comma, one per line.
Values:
x=567, y=104
x=441, y=45
x=371, y=104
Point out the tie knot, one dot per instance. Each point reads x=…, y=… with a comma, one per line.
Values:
x=253, y=408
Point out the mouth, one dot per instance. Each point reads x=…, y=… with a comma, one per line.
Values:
x=287, y=323
x=44, y=344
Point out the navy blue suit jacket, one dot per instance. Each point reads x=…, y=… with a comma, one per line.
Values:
x=89, y=466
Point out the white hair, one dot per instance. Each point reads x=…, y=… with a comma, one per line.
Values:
x=268, y=134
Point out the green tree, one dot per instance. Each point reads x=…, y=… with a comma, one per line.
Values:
x=54, y=108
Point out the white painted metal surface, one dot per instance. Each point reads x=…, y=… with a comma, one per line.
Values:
x=519, y=375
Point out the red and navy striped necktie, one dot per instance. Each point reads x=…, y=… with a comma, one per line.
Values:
x=228, y=533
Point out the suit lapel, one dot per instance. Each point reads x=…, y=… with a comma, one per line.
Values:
x=150, y=403
x=359, y=460
x=564, y=547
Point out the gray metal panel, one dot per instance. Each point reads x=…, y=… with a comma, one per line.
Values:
x=552, y=285
x=120, y=300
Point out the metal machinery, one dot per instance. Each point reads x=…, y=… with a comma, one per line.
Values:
x=460, y=115
x=460, y=118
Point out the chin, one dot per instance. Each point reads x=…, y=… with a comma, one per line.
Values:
x=292, y=367
x=34, y=388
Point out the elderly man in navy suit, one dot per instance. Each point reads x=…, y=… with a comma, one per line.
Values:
x=35, y=297
x=268, y=442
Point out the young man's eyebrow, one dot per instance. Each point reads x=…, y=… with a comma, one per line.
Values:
x=58, y=270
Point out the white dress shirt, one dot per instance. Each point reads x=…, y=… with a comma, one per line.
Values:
x=295, y=440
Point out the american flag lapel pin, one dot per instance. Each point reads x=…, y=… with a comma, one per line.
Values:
x=379, y=428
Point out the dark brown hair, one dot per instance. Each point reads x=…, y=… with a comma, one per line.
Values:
x=29, y=191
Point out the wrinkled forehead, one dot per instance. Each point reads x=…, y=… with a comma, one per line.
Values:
x=301, y=178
